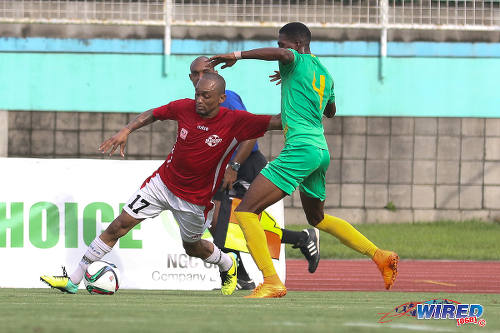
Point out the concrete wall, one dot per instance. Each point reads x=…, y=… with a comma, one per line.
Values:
x=4, y=136
x=429, y=168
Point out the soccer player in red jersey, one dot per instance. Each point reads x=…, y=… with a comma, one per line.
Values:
x=185, y=183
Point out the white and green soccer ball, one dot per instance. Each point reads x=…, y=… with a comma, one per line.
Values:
x=102, y=278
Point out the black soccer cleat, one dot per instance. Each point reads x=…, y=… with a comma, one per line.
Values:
x=310, y=248
x=245, y=285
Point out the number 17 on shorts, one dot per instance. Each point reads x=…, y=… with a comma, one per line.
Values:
x=140, y=207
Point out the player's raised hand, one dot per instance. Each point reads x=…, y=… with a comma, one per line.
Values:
x=228, y=59
x=276, y=77
x=119, y=139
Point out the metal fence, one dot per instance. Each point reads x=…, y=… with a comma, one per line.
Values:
x=480, y=15
x=376, y=14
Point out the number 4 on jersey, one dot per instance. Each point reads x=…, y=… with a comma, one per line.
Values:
x=320, y=90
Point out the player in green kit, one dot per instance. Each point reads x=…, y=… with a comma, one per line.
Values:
x=307, y=93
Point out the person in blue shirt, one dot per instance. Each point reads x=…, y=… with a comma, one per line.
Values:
x=246, y=163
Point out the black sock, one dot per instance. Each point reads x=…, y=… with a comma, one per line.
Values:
x=293, y=237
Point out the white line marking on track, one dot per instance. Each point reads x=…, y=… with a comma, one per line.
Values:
x=436, y=282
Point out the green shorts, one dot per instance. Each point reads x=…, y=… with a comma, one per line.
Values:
x=300, y=165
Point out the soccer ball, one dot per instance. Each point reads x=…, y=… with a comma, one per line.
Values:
x=102, y=278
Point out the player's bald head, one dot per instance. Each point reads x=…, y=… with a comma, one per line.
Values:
x=199, y=67
x=209, y=94
x=199, y=64
x=214, y=80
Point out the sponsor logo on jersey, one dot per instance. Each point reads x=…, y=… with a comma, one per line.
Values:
x=203, y=128
x=213, y=140
x=183, y=133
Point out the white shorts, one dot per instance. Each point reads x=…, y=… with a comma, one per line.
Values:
x=155, y=197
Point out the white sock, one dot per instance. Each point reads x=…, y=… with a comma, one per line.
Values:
x=96, y=250
x=221, y=259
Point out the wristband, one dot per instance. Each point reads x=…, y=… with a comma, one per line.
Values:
x=235, y=166
x=237, y=55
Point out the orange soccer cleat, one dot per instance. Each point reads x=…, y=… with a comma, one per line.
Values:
x=271, y=288
x=387, y=263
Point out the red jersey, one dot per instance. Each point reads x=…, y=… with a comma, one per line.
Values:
x=195, y=167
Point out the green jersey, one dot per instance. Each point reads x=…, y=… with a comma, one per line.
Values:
x=306, y=88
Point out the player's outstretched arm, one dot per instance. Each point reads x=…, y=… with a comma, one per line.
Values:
x=267, y=53
x=120, y=138
x=330, y=110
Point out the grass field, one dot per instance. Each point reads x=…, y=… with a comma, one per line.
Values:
x=46, y=310
x=471, y=240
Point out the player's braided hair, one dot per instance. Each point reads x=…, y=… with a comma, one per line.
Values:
x=297, y=31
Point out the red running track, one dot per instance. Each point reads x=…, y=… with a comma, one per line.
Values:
x=414, y=275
